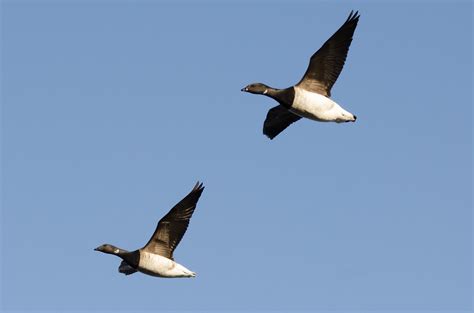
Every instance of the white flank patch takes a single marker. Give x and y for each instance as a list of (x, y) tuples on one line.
[(157, 265), (318, 107)]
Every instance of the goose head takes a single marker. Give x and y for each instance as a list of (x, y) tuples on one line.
[(109, 249), (256, 88)]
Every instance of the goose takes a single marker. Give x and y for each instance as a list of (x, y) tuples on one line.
[(156, 257), (310, 98)]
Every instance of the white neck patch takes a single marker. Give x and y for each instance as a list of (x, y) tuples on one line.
[(265, 92), (116, 251)]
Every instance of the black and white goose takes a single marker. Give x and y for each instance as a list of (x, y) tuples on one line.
[(310, 97), (156, 257)]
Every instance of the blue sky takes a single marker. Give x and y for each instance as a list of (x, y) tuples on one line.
[(111, 111)]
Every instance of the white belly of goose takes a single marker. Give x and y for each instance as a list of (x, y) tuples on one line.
[(157, 265), (318, 107)]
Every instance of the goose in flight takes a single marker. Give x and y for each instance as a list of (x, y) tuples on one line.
[(156, 257), (310, 98)]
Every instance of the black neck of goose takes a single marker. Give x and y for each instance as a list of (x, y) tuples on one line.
[(132, 258), (284, 96), (271, 92), (121, 253)]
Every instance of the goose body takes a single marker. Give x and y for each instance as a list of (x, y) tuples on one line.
[(310, 98), (317, 107), (156, 257), (157, 265)]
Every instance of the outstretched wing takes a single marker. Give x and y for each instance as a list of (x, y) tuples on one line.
[(172, 226), (327, 63), (278, 118)]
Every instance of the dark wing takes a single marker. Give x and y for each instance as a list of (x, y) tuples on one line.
[(126, 269), (278, 118), (326, 64), (173, 225)]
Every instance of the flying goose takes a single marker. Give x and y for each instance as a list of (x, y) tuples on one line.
[(156, 257), (310, 97)]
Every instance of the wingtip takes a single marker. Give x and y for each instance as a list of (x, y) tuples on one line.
[(353, 16), (268, 136), (199, 186)]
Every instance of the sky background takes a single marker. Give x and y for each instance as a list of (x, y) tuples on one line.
[(111, 111)]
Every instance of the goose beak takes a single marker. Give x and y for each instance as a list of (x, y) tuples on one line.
[(244, 89), (96, 249)]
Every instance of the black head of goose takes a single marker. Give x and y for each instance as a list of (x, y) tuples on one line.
[(156, 257), (310, 97)]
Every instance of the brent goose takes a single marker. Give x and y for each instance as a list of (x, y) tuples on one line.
[(156, 257), (310, 97)]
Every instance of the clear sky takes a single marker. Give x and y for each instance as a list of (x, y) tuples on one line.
[(111, 111)]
